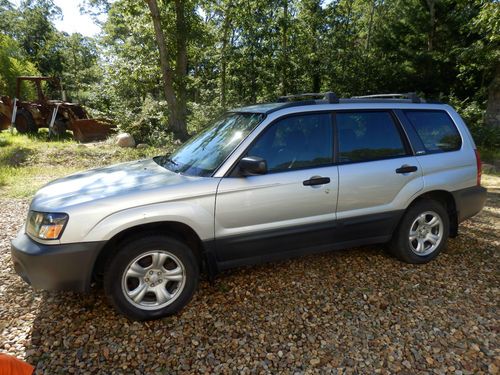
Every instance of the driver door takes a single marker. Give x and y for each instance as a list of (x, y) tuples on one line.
[(291, 208)]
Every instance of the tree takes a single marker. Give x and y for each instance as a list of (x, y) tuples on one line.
[(176, 103), (37, 35), (488, 22), (206, 55), (80, 58), (14, 63)]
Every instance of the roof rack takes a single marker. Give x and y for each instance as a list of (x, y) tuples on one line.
[(409, 95), (328, 97)]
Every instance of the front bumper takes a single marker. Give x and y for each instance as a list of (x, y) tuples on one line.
[(469, 201), (55, 267)]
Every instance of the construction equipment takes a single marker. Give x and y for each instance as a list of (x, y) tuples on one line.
[(57, 115)]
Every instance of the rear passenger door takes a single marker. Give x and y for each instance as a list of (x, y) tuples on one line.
[(377, 174)]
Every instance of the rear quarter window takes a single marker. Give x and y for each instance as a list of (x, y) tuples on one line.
[(436, 130)]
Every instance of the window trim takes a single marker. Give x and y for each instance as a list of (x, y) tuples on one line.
[(399, 128), (424, 150), (232, 172)]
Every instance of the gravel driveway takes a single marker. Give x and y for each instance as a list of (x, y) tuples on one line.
[(355, 311)]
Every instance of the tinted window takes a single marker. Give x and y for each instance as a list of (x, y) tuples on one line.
[(296, 142), (367, 136), (436, 130)]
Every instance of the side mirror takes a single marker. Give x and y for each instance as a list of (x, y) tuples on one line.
[(252, 166)]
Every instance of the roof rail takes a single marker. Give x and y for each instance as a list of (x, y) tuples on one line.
[(409, 95), (329, 97)]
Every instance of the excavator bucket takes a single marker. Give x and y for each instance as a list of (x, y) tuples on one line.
[(88, 130), (5, 113)]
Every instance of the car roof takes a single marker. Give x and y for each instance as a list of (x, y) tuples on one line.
[(329, 98)]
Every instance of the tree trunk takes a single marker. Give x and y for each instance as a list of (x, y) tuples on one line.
[(284, 52), (225, 42), (181, 64), (177, 119), (492, 115), (432, 27), (370, 26), (316, 63)]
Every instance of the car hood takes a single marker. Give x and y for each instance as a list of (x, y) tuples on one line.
[(113, 182)]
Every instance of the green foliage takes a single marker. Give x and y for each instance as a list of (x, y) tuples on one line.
[(80, 71), (149, 125), (200, 116), (486, 137), (246, 51), (12, 64), (29, 39)]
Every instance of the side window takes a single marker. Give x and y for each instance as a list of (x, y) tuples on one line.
[(365, 136), (296, 142), (436, 130)]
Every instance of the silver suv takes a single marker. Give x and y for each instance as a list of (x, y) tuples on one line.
[(265, 182)]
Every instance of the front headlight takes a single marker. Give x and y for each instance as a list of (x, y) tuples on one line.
[(46, 226)]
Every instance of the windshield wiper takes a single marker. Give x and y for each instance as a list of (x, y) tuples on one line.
[(163, 160), (167, 159)]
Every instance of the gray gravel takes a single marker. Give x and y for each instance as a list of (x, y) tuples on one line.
[(357, 311)]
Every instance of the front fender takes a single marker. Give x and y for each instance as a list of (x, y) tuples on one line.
[(199, 216)]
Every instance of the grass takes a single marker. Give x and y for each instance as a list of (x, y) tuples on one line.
[(29, 162)]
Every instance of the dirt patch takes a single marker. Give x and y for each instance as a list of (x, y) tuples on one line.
[(15, 157)]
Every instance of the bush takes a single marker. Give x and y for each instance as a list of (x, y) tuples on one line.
[(486, 137), (200, 116), (150, 125)]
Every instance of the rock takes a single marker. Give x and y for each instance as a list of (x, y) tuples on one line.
[(125, 140), (315, 361), (492, 368), (142, 146)]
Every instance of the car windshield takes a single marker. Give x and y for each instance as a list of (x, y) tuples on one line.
[(203, 154)]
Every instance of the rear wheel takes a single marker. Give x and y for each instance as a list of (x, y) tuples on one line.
[(24, 122), (151, 277), (422, 233)]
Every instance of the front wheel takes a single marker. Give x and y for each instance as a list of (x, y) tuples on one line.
[(151, 277), (422, 233)]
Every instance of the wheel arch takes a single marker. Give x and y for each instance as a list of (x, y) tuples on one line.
[(447, 200), (177, 230)]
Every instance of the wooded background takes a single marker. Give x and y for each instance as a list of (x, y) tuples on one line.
[(163, 68)]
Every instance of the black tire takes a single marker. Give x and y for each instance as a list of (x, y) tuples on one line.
[(113, 281), (403, 248), (24, 122)]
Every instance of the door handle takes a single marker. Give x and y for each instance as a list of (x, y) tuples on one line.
[(316, 180), (406, 169)]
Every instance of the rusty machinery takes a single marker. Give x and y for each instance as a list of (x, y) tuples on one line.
[(57, 115)]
